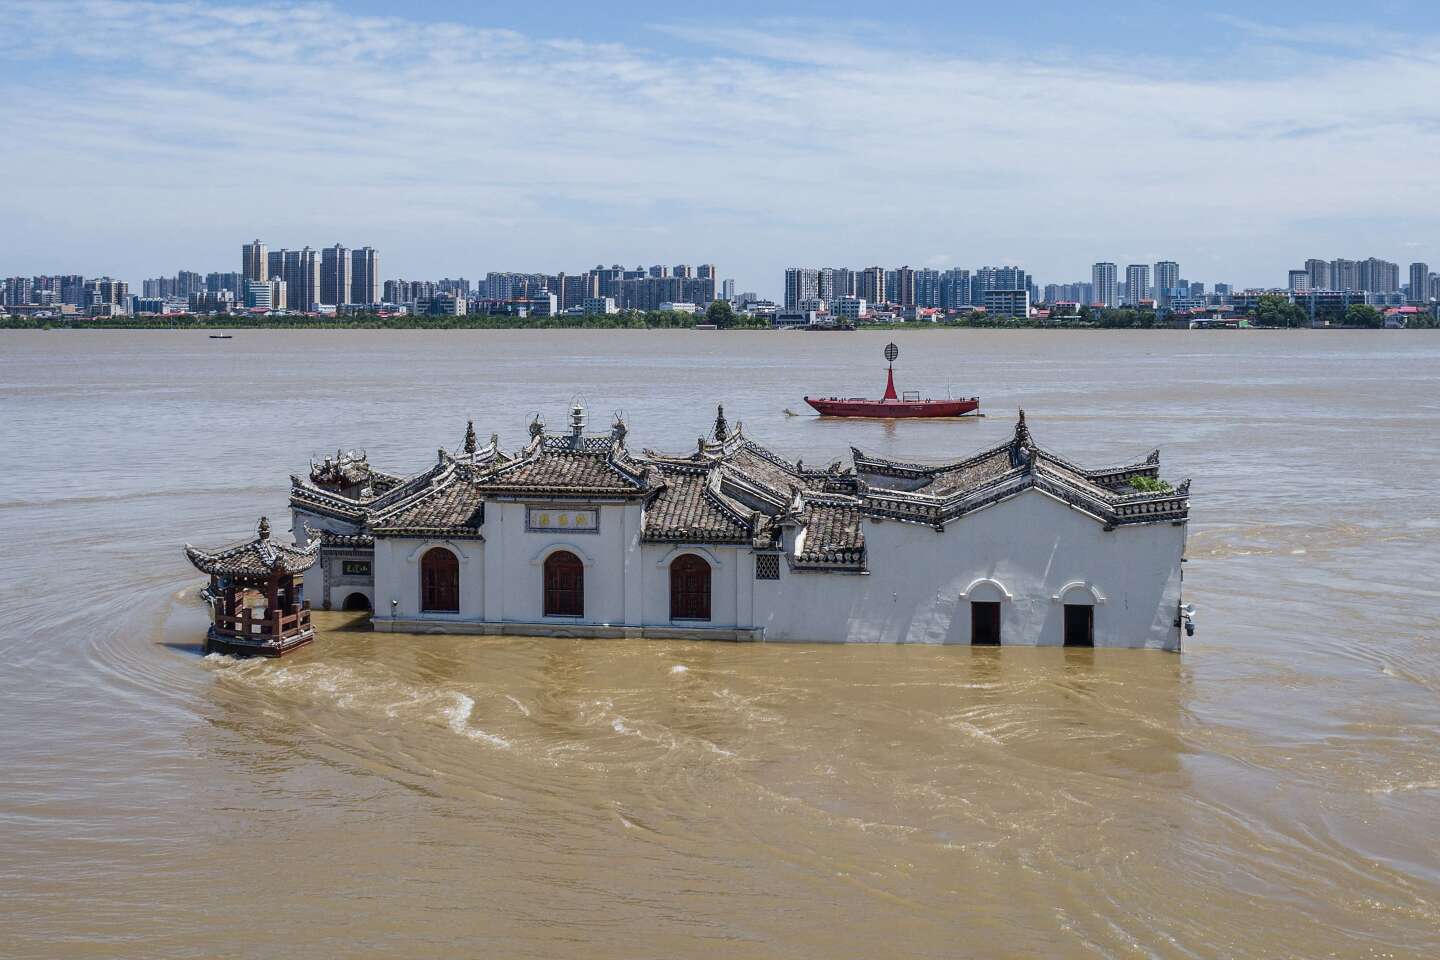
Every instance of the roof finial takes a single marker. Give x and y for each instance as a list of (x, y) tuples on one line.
[(577, 420), (1022, 432), (470, 442), (537, 426), (264, 528), (722, 429)]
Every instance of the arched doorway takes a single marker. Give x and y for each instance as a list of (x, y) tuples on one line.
[(356, 602), (439, 581), (689, 588), (564, 585)]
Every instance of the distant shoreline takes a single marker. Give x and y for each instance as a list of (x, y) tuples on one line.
[(492, 322)]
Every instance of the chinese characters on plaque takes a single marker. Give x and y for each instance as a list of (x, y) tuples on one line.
[(575, 521)]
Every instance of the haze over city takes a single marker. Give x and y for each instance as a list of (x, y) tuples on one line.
[(1236, 141)]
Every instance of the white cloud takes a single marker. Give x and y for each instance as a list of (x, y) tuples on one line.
[(142, 137)]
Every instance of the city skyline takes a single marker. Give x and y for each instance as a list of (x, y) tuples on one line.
[(1002, 160)]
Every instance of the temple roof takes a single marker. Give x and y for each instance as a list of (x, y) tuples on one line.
[(454, 508), (259, 557), (832, 536), (356, 505), (691, 507), (571, 464), (731, 489), (936, 493)]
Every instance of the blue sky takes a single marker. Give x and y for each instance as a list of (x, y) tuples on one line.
[(145, 137)]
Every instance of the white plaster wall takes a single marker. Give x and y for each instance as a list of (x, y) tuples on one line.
[(516, 558), (1032, 544), (731, 570), (397, 577), (1023, 552)]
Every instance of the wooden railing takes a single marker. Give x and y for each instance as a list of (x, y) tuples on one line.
[(270, 627)]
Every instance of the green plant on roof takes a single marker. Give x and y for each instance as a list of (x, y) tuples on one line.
[(1150, 485)]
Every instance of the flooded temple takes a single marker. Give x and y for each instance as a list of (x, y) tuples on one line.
[(577, 535)]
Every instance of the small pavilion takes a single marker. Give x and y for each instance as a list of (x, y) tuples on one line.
[(255, 595)]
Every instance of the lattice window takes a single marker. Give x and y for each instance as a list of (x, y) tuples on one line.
[(767, 566)]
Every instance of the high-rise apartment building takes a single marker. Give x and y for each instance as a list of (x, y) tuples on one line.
[(254, 263), (727, 288), (841, 282), (1167, 282), (1379, 276), (1103, 278), (364, 276), (905, 286), (927, 288), (335, 276), (827, 284), (997, 278), (1419, 282), (1299, 281), (17, 291), (1344, 275), (870, 285), (955, 289), (1319, 271), (801, 283), (302, 280), (104, 296), (1137, 284)]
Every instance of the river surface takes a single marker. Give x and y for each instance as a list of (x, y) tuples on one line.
[(1274, 791)]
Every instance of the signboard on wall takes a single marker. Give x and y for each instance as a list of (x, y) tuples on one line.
[(567, 519)]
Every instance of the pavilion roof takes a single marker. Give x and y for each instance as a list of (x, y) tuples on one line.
[(260, 557)]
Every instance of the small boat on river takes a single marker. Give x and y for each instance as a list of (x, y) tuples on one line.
[(894, 405)]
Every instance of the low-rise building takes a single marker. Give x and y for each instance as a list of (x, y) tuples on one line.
[(1007, 303), (849, 308)]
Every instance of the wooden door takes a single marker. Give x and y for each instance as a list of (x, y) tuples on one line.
[(564, 585), (689, 588), (439, 581)]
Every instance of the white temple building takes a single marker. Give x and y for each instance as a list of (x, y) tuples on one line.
[(575, 535)]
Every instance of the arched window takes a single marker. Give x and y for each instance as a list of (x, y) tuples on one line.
[(564, 585), (439, 581), (689, 588)]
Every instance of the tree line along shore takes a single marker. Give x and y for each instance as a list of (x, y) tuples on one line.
[(1274, 311)]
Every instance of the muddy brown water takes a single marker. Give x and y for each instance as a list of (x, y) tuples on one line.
[(1272, 792)]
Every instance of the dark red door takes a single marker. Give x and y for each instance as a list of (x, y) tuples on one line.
[(564, 585), (439, 582), (689, 588)]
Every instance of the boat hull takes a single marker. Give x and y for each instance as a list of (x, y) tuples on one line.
[(893, 409)]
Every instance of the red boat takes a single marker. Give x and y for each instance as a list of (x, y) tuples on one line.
[(893, 405)]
